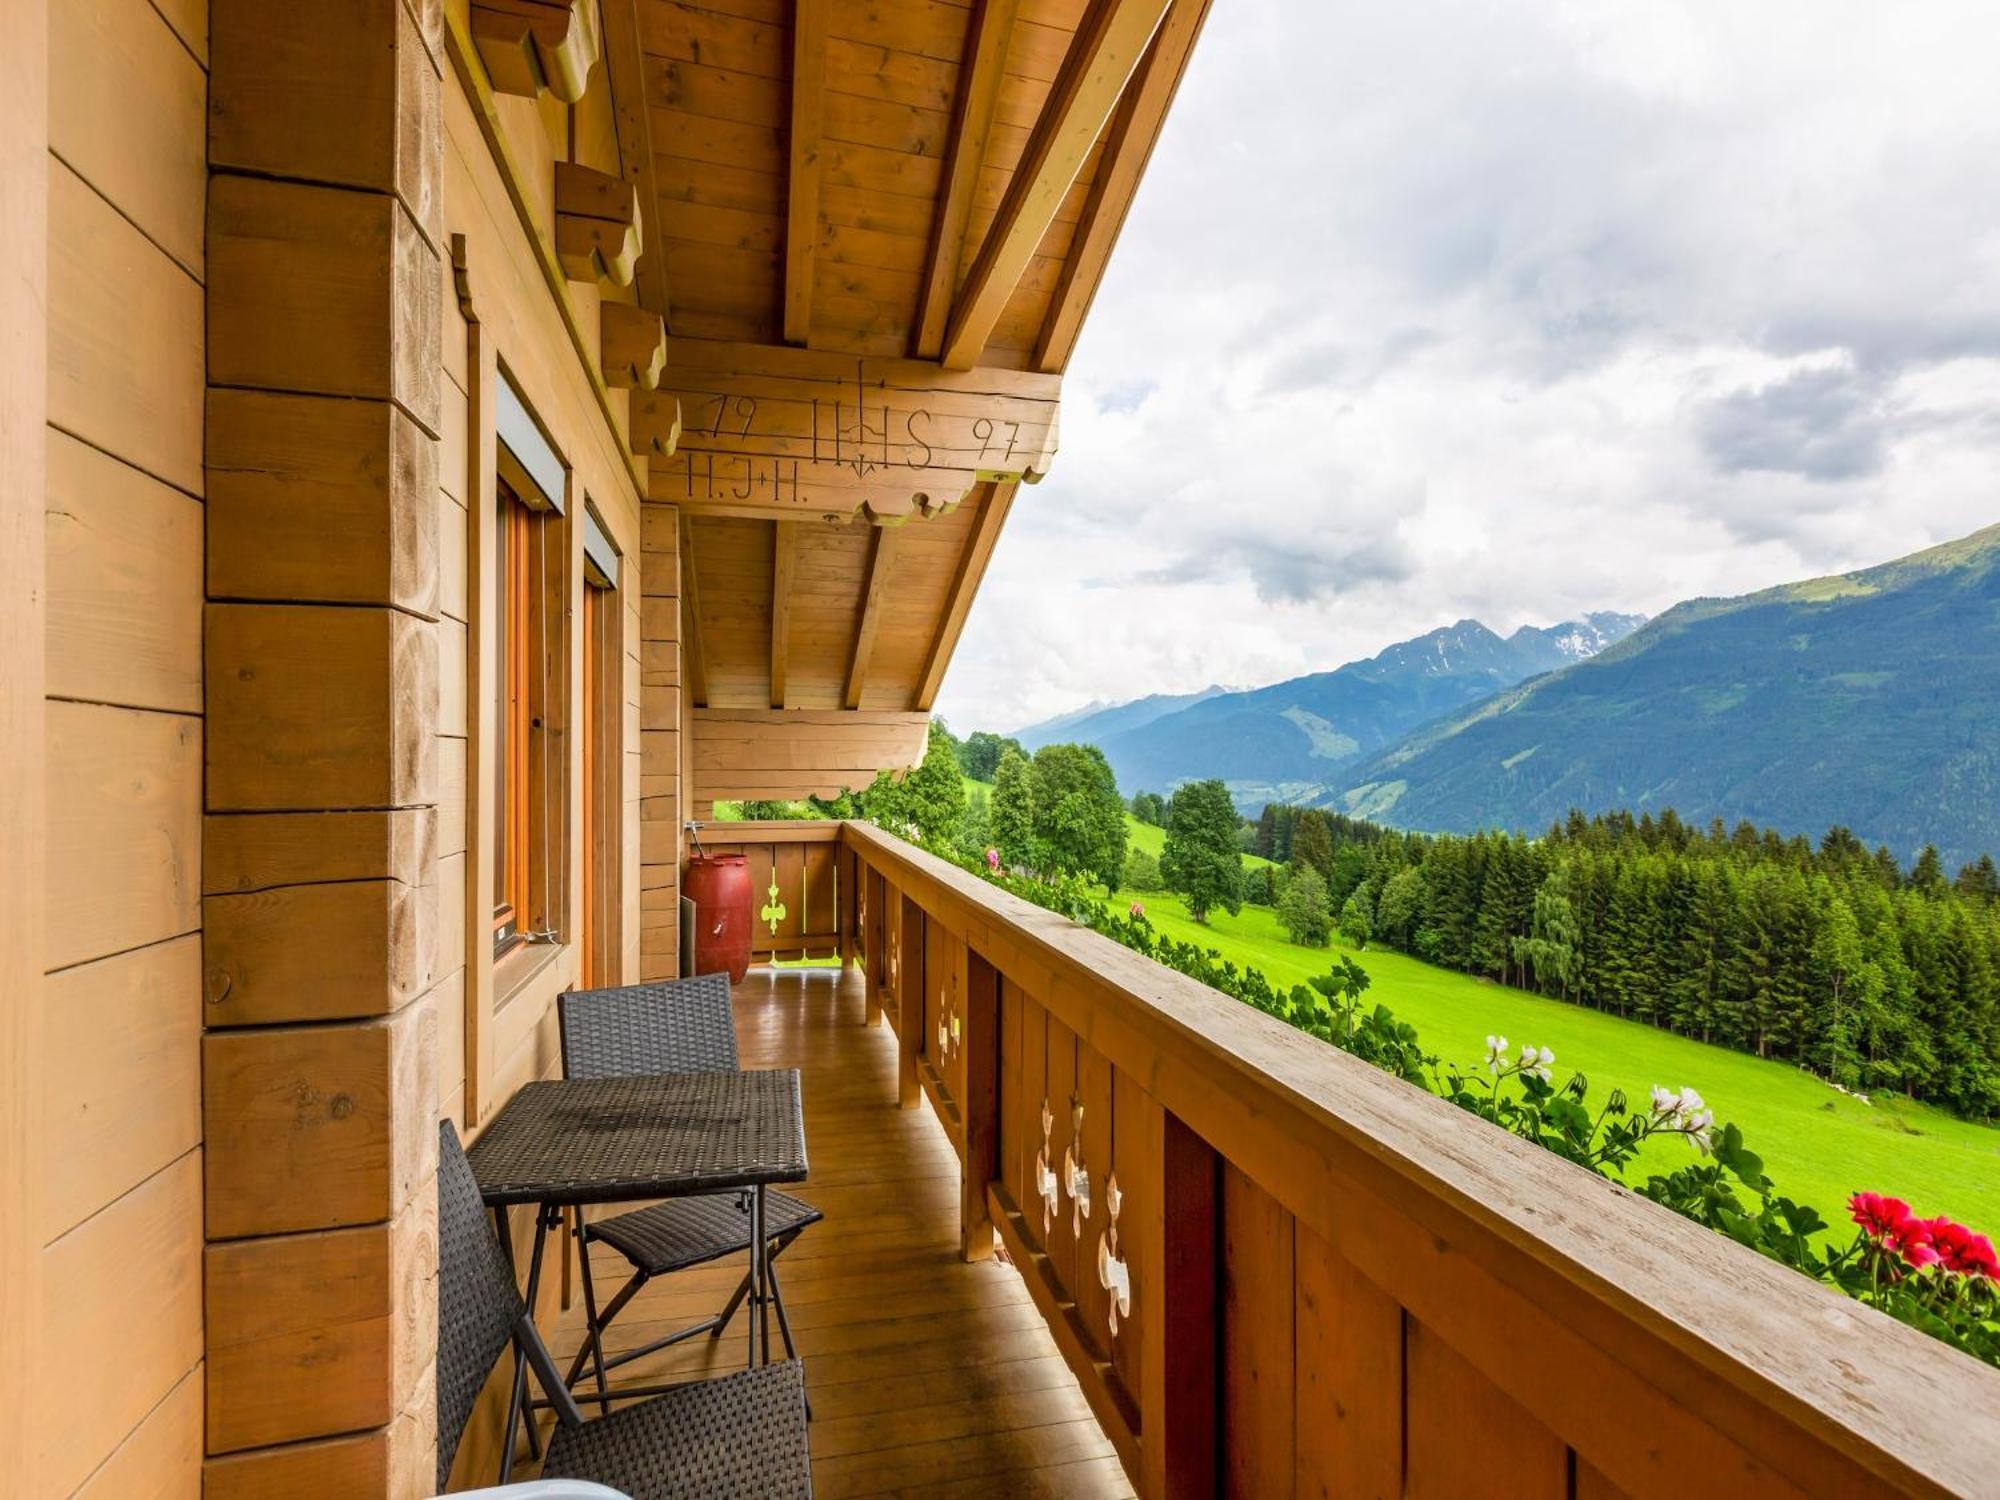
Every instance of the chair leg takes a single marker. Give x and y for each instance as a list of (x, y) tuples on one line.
[(592, 1336), (779, 1246), (593, 1330)]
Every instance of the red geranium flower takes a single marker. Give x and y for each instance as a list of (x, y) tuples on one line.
[(1912, 1239), (1882, 1218), (1963, 1251)]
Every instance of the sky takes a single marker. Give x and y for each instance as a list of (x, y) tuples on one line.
[(1514, 311)]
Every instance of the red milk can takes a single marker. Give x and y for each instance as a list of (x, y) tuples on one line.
[(719, 886)]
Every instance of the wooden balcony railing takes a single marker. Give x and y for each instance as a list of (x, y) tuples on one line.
[(795, 888), (1339, 1285)]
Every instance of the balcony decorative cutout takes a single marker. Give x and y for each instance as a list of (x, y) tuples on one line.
[(531, 45), (775, 911), (632, 347), (598, 232), (1113, 1273), (1076, 1177), (779, 433), (1046, 1185)]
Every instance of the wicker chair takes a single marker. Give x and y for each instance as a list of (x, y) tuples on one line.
[(742, 1437), (682, 1026)]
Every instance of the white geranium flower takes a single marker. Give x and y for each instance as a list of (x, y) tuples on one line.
[(1496, 1053), (1535, 1060), (1690, 1102), (1665, 1100)]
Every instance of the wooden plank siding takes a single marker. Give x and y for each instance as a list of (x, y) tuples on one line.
[(1343, 1287), (115, 1339)]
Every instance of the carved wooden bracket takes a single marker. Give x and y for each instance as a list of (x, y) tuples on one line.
[(655, 428), (598, 233), (531, 45), (632, 345), (1113, 1273)]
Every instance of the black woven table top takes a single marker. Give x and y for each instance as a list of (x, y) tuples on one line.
[(606, 1140)]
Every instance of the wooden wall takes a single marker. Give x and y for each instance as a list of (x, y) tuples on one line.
[(116, 1389)]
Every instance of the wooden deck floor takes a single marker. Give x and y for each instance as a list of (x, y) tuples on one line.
[(928, 1376)]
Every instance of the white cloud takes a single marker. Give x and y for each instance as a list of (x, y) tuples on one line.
[(1514, 311)]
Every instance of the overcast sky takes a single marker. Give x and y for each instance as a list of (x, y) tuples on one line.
[(1514, 310)]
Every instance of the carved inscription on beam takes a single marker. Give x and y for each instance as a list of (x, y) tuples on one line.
[(769, 431)]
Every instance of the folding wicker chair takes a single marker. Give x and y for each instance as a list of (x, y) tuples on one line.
[(742, 1437), (681, 1026)]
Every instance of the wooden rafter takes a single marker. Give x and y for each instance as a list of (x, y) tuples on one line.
[(998, 500), (623, 66), (1102, 56), (881, 562), (784, 563), (809, 28), (697, 663), (1133, 131), (990, 31)]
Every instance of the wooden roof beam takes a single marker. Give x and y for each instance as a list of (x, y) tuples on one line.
[(1133, 131), (697, 662), (809, 28), (625, 68), (965, 583), (874, 594), (990, 31), (1106, 49), (784, 564)]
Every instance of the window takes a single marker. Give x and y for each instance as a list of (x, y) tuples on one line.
[(603, 752), (530, 683)]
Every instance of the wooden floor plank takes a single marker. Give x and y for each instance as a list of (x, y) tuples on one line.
[(930, 1377)]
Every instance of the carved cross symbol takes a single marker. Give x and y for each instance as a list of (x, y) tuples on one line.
[(1076, 1177), (774, 912)]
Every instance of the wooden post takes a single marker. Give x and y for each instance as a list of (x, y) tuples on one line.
[(980, 1108), (909, 1003), (326, 270), (845, 867), (1178, 1389), (877, 939)]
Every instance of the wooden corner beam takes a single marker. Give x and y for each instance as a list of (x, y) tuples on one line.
[(697, 663), (809, 30), (1133, 131), (881, 562), (990, 31), (1102, 56), (784, 561), (993, 508)]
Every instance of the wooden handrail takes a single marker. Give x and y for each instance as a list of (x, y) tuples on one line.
[(1658, 1354)]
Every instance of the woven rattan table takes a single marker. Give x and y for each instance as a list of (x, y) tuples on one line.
[(568, 1142)]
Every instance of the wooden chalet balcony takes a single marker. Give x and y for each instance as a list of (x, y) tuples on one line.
[(1338, 1284)]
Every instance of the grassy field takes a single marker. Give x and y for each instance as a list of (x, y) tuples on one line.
[(1818, 1145)]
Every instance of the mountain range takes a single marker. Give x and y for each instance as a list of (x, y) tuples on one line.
[(1092, 722), (1870, 699), (1290, 740)]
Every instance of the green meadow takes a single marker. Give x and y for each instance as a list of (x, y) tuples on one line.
[(1818, 1144)]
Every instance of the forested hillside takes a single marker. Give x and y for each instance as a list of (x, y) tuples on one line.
[(1869, 699), (1827, 955)]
